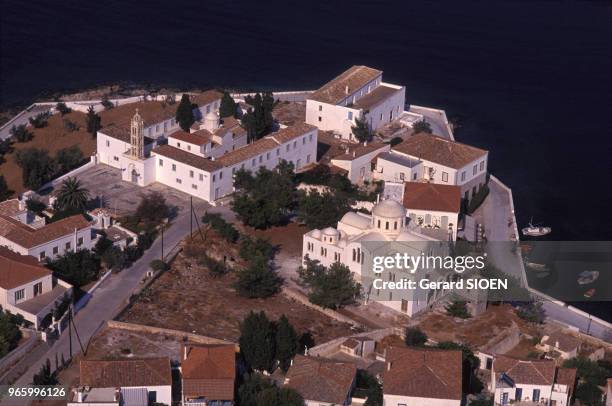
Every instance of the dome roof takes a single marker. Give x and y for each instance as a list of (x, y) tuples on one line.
[(330, 231), (315, 233), (389, 208), (356, 220), (373, 236)]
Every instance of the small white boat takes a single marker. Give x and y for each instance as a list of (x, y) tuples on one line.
[(536, 231), (586, 277)]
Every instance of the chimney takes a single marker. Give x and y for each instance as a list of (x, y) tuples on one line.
[(354, 154), (348, 151), (79, 395), (389, 366), (346, 89)]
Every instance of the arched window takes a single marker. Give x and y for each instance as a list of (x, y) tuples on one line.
[(386, 225), (378, 223), (395, 225)]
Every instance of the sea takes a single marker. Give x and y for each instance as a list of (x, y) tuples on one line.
[(529, 80)]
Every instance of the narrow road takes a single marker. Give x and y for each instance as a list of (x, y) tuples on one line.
[(113, 293)]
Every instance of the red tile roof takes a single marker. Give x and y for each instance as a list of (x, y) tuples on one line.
[(358, 150), (440, 150), (199, 137), (10, 208), (354, 78), (423, 373), (17, 270), (29, 237), (293, 131), (187, 158), (431, 196), (375, 97), (536, 372), (567, 376), (321, 380), (126, 373), (209, 371)]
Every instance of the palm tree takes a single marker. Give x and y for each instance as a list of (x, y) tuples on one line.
[(72, 195)]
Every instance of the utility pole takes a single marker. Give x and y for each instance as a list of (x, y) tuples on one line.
[(191, 217)]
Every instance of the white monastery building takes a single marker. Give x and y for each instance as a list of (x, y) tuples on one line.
[(430, 158), (357, 93), (24, 233), (354, 240), (27, 288), (202, 162)]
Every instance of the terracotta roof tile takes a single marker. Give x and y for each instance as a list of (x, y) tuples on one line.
[(359, 150), (17, 270), (247, 152), (321, 380), (355, 77), (567, 376), (29, 237), (431, 196), (293, 131), (375, 97), (187, 158), (10, 208), (439, 150), (126, 373), (199, 137), (207, 97), (423, 373), (536, 372), (209, 371)]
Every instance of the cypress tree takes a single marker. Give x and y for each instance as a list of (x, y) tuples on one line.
[(184, 113), (93, 121), (228, 107), (257, 343), (286, 343)]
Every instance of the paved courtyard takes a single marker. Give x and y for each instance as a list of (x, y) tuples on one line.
[(122, 197)]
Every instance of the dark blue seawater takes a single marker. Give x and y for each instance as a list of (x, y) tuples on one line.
[(529, 80)]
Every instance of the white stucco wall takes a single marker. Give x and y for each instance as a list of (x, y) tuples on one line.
[(359, 168), (390, 109), (390, 171)]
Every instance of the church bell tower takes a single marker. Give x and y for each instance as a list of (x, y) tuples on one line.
[(137, 137)]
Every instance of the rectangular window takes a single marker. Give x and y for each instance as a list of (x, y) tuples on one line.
[(157, 128), (474, 169), (519, 394), (267, 156), (444, 177), (260, 158), (191, 174), (42, 255), (201, 177), (350, 116), (55, 250), (68, 245), (220, 175), (19, 295), (178, 144), (37, 288), (304, 141), (214, 177), (482, 166), (253, 162), (80, 241), (536, 395), (308, 158), (320, 108), (116, 158), (179, 181), (188, 147), (320, 119), (309, 137), (294, 144), (161, 162), (165, 126), (194, 186), (174, 167), (277, 151), (107, 143), (462, 176), (288, 146)]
